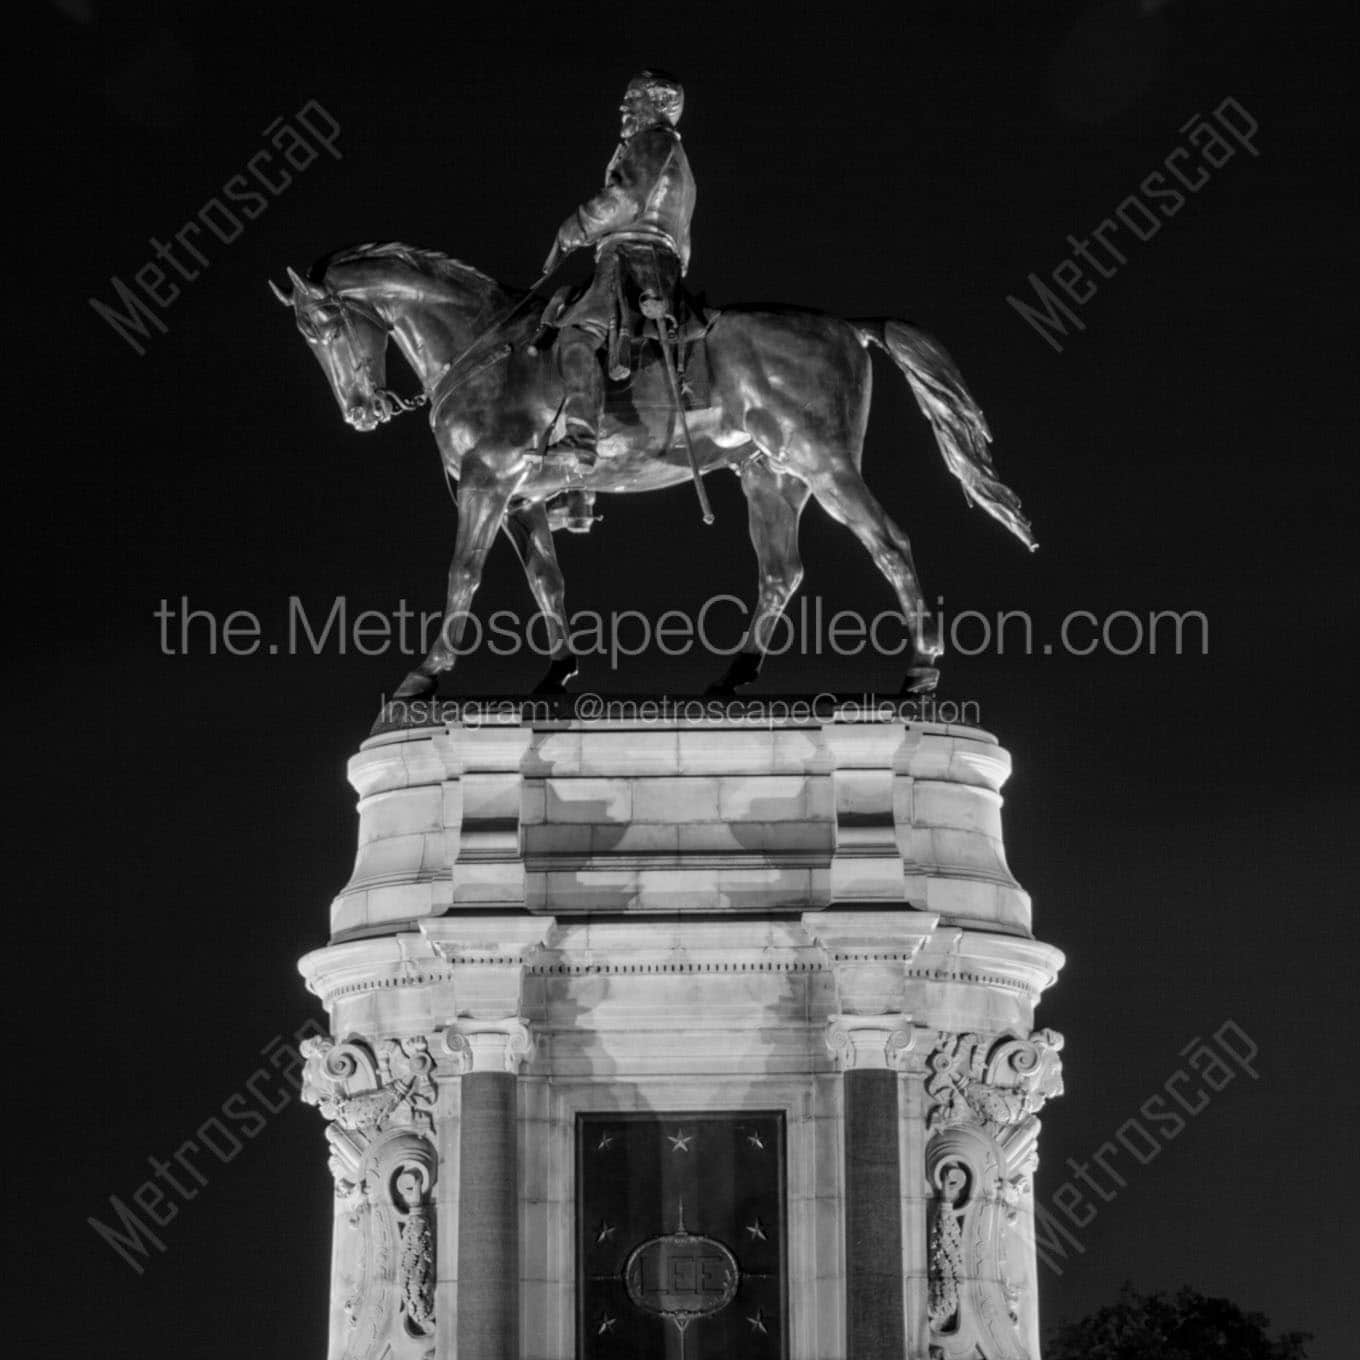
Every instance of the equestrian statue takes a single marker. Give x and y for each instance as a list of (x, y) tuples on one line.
[(632, 385)]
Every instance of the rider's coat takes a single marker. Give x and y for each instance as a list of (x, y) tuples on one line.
[(648, 196)]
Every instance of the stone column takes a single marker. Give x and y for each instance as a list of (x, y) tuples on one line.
[(911, 1107), (488, 1238), (865, 1047), (869, 953)]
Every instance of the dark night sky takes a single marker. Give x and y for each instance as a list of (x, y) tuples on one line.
[(1186, 824)]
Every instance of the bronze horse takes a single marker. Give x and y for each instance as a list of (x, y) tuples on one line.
[(788, 411)]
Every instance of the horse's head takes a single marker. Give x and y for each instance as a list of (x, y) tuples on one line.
[(349, 340)]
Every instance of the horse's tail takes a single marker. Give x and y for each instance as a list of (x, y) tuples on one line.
[(960, 427)]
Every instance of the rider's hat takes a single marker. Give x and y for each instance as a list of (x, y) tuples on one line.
[(664, 93)]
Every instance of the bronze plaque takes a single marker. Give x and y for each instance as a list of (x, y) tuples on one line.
[(680, 1236)]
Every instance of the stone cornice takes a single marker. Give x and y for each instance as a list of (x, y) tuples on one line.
[(874, 949), (432, 955), (955, 953), (467, 938), (405, 959)]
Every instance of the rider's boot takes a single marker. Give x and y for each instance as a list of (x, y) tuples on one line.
[(584, 403)]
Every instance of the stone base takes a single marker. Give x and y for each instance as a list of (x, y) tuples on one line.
[(568, 817), (691, 932)]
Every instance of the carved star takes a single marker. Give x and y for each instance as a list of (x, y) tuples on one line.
[(757, 1231), (757, 1321), (607, 1324), (605, 1231), (606, 1142), (755, 1141), (680, 1141)]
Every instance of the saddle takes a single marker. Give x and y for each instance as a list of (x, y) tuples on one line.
[(632, 345), (631, 335)]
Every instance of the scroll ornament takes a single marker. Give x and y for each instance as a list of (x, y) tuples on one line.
[(977, 1079), (379, 1103), (983, 1094)]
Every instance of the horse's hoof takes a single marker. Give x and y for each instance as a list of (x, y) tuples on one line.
[(417, 685), (744, 670), (554, 681), (921, 680)]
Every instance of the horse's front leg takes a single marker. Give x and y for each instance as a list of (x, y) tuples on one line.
[(483, 494)]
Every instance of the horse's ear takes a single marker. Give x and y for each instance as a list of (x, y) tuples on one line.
[(278, 292), (301, 288)]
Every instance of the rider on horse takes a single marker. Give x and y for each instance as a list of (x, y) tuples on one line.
[(789, 398), (639, 226)]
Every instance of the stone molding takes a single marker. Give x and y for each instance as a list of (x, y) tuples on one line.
[(507, 937), (402, 958), (862, 963), (869, 954), (958, 954), (628, 967), (481, 953), (488, 955)]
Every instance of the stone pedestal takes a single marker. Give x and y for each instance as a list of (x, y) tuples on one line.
[(653, 1040)]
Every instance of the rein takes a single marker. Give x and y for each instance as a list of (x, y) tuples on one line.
[(347, 305), (450, 379)]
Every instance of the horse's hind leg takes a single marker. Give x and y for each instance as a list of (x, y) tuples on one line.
[(774, 502), (841, 492), (528, 530)]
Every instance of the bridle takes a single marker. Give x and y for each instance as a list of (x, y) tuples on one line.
[(348, 308), (456, 372)]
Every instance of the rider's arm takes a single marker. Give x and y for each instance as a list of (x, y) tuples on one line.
[(624, 196)]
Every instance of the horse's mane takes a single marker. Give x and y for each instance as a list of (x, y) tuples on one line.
[(432, 262)]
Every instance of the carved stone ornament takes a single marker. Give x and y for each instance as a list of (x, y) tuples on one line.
[(976, 1079), (875, 1041), (383, 1157), (488, 1045), (983, 1094)]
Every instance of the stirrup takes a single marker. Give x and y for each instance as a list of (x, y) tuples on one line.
[(580, 434), (573, 511), (583, 446)]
